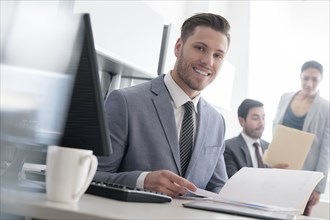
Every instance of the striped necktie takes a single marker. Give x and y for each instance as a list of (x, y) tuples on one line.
[(187, 137)]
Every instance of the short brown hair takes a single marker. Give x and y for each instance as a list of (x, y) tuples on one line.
[(246, 105), (214, 21)]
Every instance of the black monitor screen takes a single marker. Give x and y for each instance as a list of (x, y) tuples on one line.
[(86, 126)]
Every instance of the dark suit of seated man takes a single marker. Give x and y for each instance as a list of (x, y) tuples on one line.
[(247, 148)]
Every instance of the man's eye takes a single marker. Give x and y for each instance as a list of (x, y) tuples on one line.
[(218, 56), (200, 48)]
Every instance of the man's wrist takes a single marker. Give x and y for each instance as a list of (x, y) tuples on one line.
[(140, 180)]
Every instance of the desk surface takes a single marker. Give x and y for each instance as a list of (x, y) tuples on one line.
[(35, 205)]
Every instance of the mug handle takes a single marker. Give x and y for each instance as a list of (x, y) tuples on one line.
[(91, 173)]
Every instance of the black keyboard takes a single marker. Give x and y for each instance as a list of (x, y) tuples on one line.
[(126, 193)]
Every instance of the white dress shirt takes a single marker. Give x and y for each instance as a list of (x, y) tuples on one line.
[(249, 142)]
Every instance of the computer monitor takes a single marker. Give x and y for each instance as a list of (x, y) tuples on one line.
[(84, 122), (86, 125)]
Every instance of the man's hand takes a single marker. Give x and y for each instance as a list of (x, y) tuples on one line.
[(167, 182), (314, 198), (281, 166)]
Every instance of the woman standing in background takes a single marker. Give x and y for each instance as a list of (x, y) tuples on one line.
[(306, 110)]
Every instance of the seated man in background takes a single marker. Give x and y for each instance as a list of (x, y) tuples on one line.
[(247, 148), (146, 121)]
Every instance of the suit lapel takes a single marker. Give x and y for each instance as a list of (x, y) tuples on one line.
[(283, 108), (163, 106), (203, 123), (244, 148), (311, 114)]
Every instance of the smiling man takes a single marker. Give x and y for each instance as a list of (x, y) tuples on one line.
[(165, 136)]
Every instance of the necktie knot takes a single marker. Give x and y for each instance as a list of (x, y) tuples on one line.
[(189, 106), (256, 144)]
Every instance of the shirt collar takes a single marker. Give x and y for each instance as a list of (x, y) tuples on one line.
[(179, 97), (249, 141)]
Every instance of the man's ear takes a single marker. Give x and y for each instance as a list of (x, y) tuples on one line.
[(241, 121), (178, 47)]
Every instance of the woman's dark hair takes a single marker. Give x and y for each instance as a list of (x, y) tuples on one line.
[(312, 64), (216, 22)]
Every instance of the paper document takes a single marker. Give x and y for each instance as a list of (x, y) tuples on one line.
[(204, 194), (289, 146), (266, 193), (239, 210), (267, 189), (282, 189)]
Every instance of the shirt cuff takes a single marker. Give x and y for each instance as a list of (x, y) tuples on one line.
[(140, 180)]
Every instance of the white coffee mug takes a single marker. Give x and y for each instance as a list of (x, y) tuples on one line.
[(69, 172)]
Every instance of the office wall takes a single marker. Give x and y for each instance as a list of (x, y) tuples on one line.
[(281, 44), (127, 31)]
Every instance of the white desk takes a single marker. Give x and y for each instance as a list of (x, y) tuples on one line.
[(35, 205)]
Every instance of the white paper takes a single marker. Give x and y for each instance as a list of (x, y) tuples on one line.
[(289, 189), (204, 193), (267, 189)]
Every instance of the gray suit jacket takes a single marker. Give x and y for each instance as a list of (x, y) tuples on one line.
[(144, 138), (316, 122), (237, 154)]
